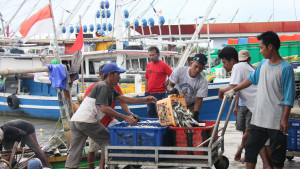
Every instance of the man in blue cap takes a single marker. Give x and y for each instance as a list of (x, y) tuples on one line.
[(85, 122)]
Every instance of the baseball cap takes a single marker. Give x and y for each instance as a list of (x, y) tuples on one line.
[(112, 67), (244, 55), (35, 163), (201, 58), (1, 134)]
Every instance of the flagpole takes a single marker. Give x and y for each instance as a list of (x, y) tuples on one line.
[(82, 68), (55, 37)]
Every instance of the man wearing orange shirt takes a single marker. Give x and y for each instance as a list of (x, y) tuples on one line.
[(156, 73)]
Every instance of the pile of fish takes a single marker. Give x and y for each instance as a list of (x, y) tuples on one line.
[(183, 118)]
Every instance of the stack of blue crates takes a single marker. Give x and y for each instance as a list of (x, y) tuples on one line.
[(293, 139), (122, 134)]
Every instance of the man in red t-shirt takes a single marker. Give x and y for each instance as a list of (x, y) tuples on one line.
[(106, 120), (156, 73)]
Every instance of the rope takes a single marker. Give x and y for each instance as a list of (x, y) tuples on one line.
[(56, 124)]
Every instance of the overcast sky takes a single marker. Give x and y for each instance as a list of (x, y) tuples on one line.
[(224, 10)]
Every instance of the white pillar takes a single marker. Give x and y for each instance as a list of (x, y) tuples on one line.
[(119, 24)]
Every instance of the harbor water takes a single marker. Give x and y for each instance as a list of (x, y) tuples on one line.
[(47, 128)]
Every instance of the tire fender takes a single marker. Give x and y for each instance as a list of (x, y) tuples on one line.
[(13, 101)]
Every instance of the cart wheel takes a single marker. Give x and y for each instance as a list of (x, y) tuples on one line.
[(289, 157), (222, 163)]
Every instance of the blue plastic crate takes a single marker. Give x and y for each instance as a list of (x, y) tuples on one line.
[(293, 139), (122, 134)]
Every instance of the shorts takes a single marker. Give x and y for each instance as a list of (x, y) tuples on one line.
[(258, 137), (93, 146), (243, 118)]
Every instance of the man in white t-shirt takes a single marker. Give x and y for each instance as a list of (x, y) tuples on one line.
[(239, 72), (189, 81), (85, 122)]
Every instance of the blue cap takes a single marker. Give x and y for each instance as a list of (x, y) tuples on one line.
[(112, 67), (35, 163)]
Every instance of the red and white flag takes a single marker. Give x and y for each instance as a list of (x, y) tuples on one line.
[(78, 44), (38, 23)]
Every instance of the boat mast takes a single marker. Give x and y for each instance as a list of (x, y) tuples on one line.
[(55, 37), (186, 53), (121, 60)]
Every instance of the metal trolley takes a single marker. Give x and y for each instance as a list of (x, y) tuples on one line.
[(163, 156)]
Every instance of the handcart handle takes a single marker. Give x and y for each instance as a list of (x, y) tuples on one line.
[(228, 116), (215, 131)]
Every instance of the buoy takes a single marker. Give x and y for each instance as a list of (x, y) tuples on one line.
[(102, 3), (144, 22), (84, 28), (91, 27), (106, 4), (127, 23), (151, 22), (126, 13), (64, 29), (102, 14), (98, 14), (107, 13), (41, 131), (136, 23), (77, 28), (98, 26), (104, 26), (109, 27), (71, 29), (161, 20)]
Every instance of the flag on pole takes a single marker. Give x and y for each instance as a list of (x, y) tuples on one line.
[(39, 23), (78, 44)]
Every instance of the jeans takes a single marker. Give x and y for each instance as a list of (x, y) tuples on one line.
[(151, 107)]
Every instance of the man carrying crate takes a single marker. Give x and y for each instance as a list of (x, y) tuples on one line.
[(85, 122), (191, 83), (274, 100)]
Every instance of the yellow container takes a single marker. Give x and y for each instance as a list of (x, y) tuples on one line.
[(165, 109), (130, 88), (104, 45)]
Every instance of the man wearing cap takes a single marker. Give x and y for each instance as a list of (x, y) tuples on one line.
[(240, 71), (156, 73), (189, 81), (85, 122), (106, 120)]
